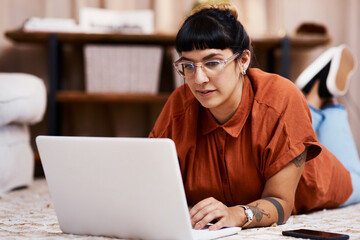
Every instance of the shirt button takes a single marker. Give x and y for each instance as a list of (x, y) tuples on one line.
[(221, 151)]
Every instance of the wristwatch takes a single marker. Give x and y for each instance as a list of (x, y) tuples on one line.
[(249, 215)]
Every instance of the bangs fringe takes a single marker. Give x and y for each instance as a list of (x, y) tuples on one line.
[(201, 34)]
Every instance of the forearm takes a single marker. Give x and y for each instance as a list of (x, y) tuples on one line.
[(274, 207), (278, 195), (268, 211)]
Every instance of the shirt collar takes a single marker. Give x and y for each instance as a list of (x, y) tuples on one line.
[(235, 124)]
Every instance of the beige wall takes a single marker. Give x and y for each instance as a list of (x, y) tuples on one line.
[(259, 17)]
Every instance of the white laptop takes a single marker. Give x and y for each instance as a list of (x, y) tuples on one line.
[(119, 187)]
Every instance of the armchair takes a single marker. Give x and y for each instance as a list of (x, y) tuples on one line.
[(22, 103)]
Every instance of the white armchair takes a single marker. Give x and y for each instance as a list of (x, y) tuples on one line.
[(22, 103)]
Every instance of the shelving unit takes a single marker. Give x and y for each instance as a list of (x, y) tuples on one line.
[(54, 42), (80, 96)]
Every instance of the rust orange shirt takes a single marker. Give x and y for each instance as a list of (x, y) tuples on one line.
[(231, 162)]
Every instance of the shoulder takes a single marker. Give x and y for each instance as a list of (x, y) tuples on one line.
[(275, 91), (181, 99), (180, 108)]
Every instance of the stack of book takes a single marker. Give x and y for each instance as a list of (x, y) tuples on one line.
[(122, 69)]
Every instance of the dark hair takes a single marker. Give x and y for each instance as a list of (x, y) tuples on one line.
[(212, 28)]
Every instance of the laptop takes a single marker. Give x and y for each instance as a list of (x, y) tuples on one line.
[(119, 187)]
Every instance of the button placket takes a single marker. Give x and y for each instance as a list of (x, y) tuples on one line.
[(221, 148)]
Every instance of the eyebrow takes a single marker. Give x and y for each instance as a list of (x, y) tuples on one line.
[(204, 58)]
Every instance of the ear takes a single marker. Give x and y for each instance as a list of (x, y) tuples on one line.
[(245, 59)]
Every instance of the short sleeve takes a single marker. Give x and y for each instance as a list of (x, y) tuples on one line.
[(289, 131)]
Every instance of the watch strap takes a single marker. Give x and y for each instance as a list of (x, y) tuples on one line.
[(249, 215)]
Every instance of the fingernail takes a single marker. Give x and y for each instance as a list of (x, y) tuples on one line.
[(197, 226)]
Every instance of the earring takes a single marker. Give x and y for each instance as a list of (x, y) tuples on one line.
[(242, 69), (243, 72)]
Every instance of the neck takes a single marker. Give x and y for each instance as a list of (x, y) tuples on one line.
[(223, 113)]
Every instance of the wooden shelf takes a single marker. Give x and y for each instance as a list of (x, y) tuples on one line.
[(309, 41), (84, 97), (303, 41), (82, 38)]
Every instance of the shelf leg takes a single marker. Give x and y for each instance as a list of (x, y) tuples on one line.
[(285, 59), (53, 109)]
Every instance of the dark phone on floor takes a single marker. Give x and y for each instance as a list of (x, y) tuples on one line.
[(312, 234)]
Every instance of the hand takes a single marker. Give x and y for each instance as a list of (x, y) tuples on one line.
[(211, 209)]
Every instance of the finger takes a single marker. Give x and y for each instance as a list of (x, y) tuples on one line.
[(218, 225), (216, 214), (202, 213), (200, 205)]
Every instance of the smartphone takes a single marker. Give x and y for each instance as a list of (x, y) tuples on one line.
[(313, 234)]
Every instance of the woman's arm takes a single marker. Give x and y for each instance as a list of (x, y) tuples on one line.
[(275, 205)]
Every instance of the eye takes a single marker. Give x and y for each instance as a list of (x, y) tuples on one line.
[(212, 64), (188, 66)]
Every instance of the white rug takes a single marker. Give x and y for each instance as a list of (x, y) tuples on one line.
[(29, 213)]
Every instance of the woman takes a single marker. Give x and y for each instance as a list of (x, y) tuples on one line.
[(243, 135)]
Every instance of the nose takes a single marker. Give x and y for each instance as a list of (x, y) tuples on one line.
[(200, 76)]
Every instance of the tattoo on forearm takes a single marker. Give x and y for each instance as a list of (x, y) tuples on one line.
[(279, 209), (299, 160), (258, 213)]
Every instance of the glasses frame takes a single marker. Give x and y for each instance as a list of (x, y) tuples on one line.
[(201, 64)]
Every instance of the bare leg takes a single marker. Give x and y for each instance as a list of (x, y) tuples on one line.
[(313, 98), (316, 103)]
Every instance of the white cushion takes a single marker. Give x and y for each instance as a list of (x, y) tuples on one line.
[(22, 98), (16, 157)]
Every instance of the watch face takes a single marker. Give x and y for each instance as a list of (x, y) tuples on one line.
[(252, 214), (249, 213)]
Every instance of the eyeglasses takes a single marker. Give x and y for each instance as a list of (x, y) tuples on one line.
[(212, 68)]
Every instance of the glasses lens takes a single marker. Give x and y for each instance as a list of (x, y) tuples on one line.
[(213, 67), (185, 69)]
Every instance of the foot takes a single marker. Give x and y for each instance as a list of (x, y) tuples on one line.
[(343, 65), (308, 77), (333, 69)]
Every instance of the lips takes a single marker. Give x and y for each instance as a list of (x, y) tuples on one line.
[(205, 92)]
